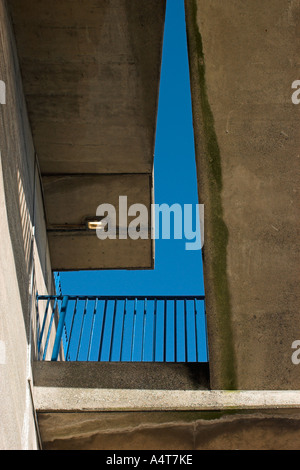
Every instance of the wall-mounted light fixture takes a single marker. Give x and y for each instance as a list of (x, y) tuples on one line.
[(88, 224), (95, 223)]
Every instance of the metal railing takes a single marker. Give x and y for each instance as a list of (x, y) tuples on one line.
[(106, 328)]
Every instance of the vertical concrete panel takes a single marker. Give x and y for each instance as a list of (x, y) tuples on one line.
[(18, 177), (244, 58)]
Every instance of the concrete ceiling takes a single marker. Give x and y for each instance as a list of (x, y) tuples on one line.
[(91, 78), (90, 73)]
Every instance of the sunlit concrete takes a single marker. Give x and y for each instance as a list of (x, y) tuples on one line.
[(247, 141), (95, 399), (25, 266)]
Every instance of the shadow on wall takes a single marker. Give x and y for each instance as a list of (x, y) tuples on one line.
[(20, 173)]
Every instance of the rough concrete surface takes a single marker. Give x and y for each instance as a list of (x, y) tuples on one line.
[(244, 57), (90, 73), (122, 375), (78, 399), (71, 199), (273, 430), (91, 79), (21, 208)]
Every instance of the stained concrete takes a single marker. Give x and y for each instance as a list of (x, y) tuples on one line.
[(71, 199), (236, 430), (91, 79), (122, 375), (21, 209), (60, 398), (244, 57), (247, 141)]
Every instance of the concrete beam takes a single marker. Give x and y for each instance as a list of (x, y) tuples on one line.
[(71, 399), (71, 199)]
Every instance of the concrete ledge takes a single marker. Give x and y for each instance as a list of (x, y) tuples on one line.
[(53, 399)]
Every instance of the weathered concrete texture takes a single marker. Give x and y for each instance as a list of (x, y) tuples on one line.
[(273, 430), (71, 199), (21, 208), (121, 375), (91, 79), (79, 399), (244, 57), (79, 252)]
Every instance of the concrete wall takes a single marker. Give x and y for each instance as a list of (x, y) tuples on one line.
[(21, 208), (157, 406), (188, 430), (244, 57), (243, 60)]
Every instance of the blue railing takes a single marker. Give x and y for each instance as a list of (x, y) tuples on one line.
[(106, 328)]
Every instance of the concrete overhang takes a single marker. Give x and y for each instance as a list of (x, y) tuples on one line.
[(91, 80), (115, 386), (156, 406)]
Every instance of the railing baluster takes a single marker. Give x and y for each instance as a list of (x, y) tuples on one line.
[(43, 327), (49, 328), (81, 327), (175, 330), (133, 330), (37, 323), (92, 329), (201, 331), (112, 330), (165, 332), (71, 329), (60, 327), (102, 330), (154, 328), (185, 332), (66, 337), (122, 332), (144, 329), (195, 324)]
